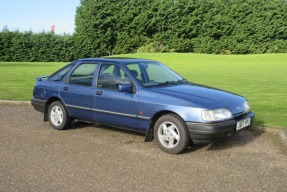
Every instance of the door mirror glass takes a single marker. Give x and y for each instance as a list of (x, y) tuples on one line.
[(125, 88)]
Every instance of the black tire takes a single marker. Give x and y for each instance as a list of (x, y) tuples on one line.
[(58, 116), (171, 134)]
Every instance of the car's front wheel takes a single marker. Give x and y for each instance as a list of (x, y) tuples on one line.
[(58, 116), (171, 134)]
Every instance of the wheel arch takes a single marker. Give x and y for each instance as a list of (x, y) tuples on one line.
[(50, 100), (150, 133)]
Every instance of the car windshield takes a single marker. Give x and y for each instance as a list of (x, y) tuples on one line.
[(151, 74)]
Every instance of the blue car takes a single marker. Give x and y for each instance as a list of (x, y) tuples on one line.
[(140, 95)]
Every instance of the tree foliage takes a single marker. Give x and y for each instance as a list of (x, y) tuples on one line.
[(217, 26), (106, 27)]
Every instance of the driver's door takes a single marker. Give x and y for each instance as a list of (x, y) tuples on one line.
[(111, 106)]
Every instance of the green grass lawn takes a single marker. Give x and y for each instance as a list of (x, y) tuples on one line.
[(17, 79), (260, 78)]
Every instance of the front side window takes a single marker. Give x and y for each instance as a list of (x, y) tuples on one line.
[(83, 74), (111, 76)]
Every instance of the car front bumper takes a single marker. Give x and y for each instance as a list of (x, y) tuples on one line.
[(204, 133), (39, 104)]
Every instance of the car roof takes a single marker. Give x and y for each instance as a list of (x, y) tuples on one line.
[(120, 60)]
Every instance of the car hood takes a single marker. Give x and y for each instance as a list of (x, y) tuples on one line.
[(206, 97)]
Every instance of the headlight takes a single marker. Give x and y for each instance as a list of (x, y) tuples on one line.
[(247, 107), (216, 115)]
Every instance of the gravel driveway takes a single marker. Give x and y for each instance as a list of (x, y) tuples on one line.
[(35, 157)]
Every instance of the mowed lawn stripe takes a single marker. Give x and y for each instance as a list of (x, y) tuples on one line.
[(17, 79)]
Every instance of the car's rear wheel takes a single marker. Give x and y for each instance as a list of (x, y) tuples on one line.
[(58, 116), (171, 134)]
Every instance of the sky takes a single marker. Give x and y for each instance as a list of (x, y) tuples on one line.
[(38, 15)]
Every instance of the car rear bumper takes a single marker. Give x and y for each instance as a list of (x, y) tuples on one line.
[(203, 133), (39, 104)]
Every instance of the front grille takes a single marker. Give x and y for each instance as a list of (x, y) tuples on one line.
[(240, 116)]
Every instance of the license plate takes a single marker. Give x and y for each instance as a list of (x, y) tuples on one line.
[(243, 124)]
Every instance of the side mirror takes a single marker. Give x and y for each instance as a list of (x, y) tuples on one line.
[(125, 88)]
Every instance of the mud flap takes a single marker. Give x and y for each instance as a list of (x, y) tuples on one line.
[(149, 135)]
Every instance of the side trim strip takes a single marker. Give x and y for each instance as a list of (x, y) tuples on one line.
[(109, 112), (78, 107), (114, 113)]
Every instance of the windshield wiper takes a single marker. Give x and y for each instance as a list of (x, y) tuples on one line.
[(182, 81), (167, 83), (172, 82)]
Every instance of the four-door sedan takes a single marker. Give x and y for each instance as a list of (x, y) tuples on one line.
[(140, 95)]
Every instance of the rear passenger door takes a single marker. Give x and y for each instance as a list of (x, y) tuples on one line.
[(77, 91), (111, 106)]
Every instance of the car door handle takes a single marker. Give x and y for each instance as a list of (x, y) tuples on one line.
[(99, 92), (66, 88)]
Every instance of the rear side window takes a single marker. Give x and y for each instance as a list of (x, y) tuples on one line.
[(58, 76), (83, 74)]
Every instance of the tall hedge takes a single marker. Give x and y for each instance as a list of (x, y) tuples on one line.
[(28, 46), (216, 26), (106, 27)]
